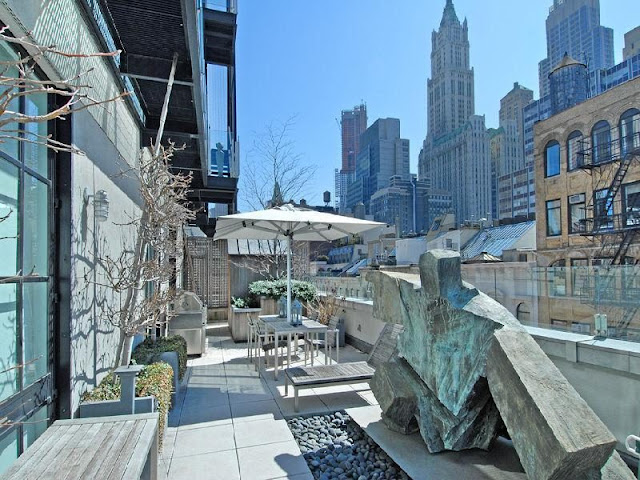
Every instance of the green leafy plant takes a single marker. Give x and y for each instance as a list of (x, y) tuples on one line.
[(238, 302), (303, 291), (155, 379), (149, 351)]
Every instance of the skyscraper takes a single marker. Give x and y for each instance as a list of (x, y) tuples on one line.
[(383, 154), (353, 123), (573, 27), (455, 154)]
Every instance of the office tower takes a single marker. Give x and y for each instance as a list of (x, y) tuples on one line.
[(573, 27), (631, 44), (511, 112), (383, 154), (353, 123), (455, 154)]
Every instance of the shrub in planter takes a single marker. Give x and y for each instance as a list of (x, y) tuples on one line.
[(149, 351), (303, 291), (155, 379)]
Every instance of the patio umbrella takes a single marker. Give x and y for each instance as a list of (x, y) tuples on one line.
[(288, 222)]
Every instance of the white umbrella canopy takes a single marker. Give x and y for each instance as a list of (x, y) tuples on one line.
[(287, 222)]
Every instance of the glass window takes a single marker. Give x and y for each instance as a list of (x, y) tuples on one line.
[(8, 340), (554, 226), (632, 204), (574, 150), (603, 210), (577, 211), (630, 130), (8, 450), (36, 227), (8, 218), (35, 155), (9, 145), (37, 425), (35, 308), (601, 141), (552, 159)]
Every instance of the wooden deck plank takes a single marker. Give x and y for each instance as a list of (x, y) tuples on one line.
[(81, 458), (104, 461), (129, 446), (77, 442), (137, 461), (39, 448), (34, 465)]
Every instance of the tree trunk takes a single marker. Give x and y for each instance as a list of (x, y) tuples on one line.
[(126, 351)]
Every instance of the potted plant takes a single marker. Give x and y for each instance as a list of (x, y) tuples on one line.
[(238, 317)]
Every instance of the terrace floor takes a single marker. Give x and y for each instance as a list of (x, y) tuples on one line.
[(229, 423)]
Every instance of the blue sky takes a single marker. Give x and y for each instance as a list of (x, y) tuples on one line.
[(314, 59)]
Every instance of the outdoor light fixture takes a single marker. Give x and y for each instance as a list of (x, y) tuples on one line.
[(282, 307), (296, 313), (100, 204)]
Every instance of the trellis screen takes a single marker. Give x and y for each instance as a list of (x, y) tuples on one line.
[(207, 270)]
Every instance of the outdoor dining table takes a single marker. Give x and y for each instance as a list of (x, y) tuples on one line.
[(280, 327), (122, 447)]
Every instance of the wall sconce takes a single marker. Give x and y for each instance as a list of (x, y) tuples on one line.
[(100, 204)]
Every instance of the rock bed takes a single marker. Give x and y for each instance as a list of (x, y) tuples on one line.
[(335, 447)]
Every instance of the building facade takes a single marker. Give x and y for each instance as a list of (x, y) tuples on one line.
[(383, 154), (56, 340), (455, 154), (573, 27), (631, 44), (587, 164)]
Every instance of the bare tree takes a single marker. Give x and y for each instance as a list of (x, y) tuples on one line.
[(275, 175), (141, 275), (275, 165), (18, 80)]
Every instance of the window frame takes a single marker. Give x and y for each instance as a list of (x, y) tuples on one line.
[(573, 136), (548, 146), (559, 208), (570, 206), (599, 128)]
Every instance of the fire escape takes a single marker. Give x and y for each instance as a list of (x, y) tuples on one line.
[(612, 218)]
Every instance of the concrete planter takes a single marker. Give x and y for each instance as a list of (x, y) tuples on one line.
[(238, 322)]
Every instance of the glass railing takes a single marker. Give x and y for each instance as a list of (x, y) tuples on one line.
[(556, 298), (223, 154), (356, 288), (230, 6)]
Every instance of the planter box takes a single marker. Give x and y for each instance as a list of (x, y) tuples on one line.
[(238, 323), (268, 306)]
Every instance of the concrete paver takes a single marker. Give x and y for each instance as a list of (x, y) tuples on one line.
[(228, 421)]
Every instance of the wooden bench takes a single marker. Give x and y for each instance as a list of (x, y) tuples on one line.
[(345, 373), (120, 447)]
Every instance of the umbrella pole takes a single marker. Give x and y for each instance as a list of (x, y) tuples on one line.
[(289, 279)]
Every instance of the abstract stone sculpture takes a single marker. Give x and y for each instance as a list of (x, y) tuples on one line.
[(466, 365)]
